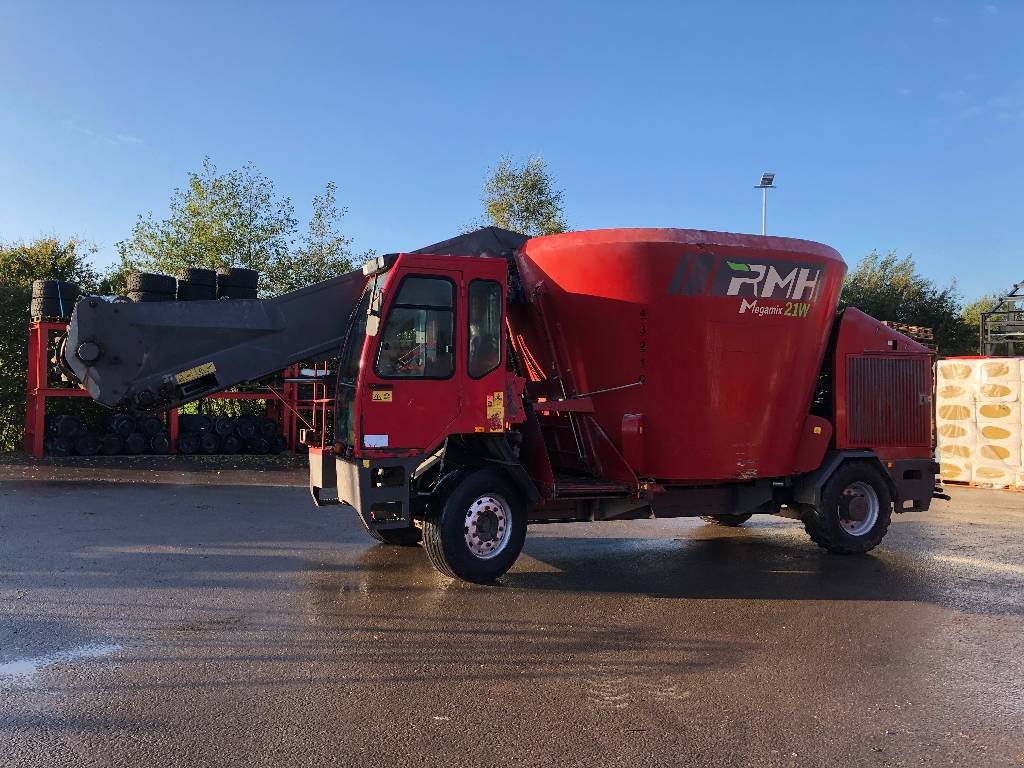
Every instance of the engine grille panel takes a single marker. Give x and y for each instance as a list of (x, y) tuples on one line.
[(889, 401)]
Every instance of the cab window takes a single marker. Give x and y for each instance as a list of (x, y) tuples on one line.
[(484, 327), (417, 340)]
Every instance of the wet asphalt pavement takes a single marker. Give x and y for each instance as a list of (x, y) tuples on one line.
[(177, 625)]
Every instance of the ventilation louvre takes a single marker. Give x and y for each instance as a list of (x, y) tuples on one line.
[(889, 401)]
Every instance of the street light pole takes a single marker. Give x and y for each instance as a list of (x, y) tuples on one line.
[(767, 180), (764, 208)]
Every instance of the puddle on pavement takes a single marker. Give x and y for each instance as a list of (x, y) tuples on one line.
[(23, 669)]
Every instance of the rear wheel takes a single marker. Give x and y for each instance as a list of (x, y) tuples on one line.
[(477, 531), (729, 521), (855, 510)]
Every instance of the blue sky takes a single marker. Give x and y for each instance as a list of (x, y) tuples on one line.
[(890, 125)]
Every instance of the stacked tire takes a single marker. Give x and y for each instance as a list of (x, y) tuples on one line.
[(53, 299), (135, 435), (237, 283), (66, 436), (202, 434), (195, 284), (151, 286)]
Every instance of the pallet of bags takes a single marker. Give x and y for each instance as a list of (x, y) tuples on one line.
[(998, 380), (997, 456), (955, 427), (956, 380)]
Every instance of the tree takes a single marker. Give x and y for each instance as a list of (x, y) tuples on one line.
[(890, 288), (49, 258), (218, 220), (325, 251), (523, 198)]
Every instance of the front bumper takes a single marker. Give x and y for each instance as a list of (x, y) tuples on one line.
[(914, 480), (378, 489)]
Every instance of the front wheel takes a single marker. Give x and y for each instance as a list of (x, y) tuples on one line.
[(477, 531), (855, 510)]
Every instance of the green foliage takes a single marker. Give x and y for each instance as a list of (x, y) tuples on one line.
[(890, 288), (324, 252), (523, 198), (48, 258), (218, 220), (236, 219)]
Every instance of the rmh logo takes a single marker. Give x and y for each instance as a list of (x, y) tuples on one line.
[(764, 281)]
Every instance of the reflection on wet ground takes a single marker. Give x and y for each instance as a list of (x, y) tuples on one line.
[(233, 626)]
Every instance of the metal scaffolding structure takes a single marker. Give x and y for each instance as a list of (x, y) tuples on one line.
[(1002, 327)]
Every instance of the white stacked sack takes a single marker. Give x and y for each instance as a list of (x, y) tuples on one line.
[(997, 457), (998, 380), (956, 430)]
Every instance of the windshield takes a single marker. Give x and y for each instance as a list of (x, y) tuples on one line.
[(348, 373)]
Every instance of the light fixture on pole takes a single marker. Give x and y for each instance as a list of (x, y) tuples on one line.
[(767, 180)]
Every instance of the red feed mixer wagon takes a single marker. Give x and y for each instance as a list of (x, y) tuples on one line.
[(494, 380)]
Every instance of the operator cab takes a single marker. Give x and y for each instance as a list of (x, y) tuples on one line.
[(425, 356)]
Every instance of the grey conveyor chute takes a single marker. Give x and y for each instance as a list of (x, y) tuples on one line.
[(157, 355)]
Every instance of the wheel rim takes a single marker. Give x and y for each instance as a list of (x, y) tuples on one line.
[(858, 508), (487, 527)]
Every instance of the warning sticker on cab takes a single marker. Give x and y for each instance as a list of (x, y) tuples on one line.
[(195, 373), (381, 396), (496, 412)]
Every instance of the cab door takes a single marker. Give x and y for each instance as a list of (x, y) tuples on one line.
[(484, 409), (412, 391)]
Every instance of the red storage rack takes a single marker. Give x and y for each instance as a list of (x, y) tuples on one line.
[(38, 387), (287, 407)]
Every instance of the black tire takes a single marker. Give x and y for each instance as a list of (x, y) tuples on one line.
[(223, 426), (60, 446), (195, 422), (135, 444), (150, 426), (191, 292), (238, 277), (87, 444), (445, 528), (160, 443), (122, 424), (188, 443), (141, 297), (844, 498), (267, 427), (259, 445), (66, 426), (208, 443), (729, 521), (245, 427), (230, 444), (111, 444), (280, 443), (41, 308), (55, 289), (150, 282), (198, 276), (235, 292)]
